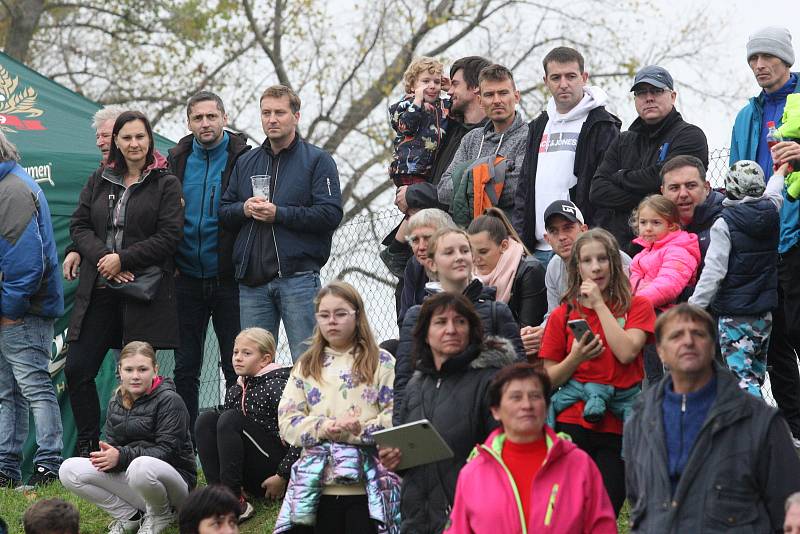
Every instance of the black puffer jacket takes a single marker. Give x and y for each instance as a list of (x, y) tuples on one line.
[(630, 170), (454, 400), (496, 318), (157, 425), (528, 300), (258, 399)]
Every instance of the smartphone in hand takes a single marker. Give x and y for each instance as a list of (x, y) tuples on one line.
[(579, 327)]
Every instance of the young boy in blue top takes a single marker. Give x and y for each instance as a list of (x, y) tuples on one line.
[(739, 282)]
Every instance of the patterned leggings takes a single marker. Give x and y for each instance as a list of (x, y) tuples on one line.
[(744, 340)]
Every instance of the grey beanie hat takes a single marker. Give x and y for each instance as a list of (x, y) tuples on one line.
[(773, 40), (745, 178)]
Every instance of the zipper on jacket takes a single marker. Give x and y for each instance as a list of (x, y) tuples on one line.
[(514, 488), (200, 221), (329, 185), (211, 202), (438, 382), (548, 516), (272, 226)]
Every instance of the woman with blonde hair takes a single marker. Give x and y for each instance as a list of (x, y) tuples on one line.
[(599, 373), (145, 468), (240, 446), (339, 393)]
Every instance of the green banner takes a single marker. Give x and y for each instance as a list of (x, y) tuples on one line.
[(52, 129)]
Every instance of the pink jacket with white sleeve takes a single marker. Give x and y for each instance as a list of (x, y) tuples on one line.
[(567, 494), (664, 268)]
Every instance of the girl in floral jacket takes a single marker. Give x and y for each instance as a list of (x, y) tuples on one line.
[(339, 393)]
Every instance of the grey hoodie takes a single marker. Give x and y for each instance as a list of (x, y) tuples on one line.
[(483, 142)]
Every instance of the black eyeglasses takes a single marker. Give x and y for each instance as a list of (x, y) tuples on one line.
[(655, 91)]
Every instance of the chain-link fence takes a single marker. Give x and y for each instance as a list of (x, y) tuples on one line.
[(354, 258)]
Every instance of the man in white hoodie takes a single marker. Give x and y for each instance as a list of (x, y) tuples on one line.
[(565, 145)]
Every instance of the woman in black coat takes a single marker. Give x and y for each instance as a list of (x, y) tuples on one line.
[(449, 257), (145, 468), (454, 365), (503, 262), (129, 221)]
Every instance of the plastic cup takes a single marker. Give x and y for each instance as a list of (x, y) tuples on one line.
[(260, 185)]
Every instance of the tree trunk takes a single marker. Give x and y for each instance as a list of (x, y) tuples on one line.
[(25, 16)]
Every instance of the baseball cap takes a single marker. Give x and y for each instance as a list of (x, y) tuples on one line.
[(655, 76), (566, 209)]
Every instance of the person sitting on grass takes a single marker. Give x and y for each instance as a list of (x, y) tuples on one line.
[(146, 467), (240, 446), (213, 509)]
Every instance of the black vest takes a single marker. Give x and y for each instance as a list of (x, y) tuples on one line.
[(751, 285)]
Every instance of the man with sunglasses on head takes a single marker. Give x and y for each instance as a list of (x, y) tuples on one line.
[(630, 169)]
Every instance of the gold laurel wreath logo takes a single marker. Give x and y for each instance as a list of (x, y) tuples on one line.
[(15, 100)]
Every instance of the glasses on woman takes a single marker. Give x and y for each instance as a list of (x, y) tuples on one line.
[(337, 315)]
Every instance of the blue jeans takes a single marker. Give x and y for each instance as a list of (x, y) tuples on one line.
[(543, 256), (25, 384), (290, 298)]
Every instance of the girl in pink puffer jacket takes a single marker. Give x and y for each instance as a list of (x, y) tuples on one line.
[(670, 257)]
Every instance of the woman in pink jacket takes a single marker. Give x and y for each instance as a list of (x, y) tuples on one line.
[(670, 257), (525, 478)]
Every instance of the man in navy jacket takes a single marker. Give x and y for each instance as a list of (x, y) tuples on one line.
[(284, 234)]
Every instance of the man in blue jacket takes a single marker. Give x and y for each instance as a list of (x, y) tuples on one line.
[(31, 297), (204, 284), (770, 55), (284, 232)]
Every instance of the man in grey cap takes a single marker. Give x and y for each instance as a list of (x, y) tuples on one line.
[(770, 55), (630, 169)]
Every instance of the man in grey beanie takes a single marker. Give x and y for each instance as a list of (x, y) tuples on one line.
[(770, 55)]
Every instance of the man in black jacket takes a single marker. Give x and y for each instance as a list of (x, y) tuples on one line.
[(565, 145), (204, 283), (702, 455), (630, 169)]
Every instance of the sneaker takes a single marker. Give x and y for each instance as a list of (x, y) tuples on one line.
[(247, 510), (796, 443), (123, 526), (153, 524), (7, 482), (42, 476), (395, 261)]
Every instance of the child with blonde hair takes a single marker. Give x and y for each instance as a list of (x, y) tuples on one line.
[(420, 123), (240, 446)]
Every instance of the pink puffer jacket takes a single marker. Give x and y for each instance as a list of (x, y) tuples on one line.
[(663, 269), (567, 494)]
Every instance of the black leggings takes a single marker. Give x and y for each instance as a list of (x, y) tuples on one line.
[(606, 451), (230, 457), (341, 514), (101, 330)]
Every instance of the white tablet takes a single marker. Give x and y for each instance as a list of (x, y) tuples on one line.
[(418, 441)]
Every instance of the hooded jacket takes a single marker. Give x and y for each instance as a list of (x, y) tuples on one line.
[(309, 207), (567, 493), (201, 225), (496, 318), (745, 138), (420, 131), (600, 128), (486, 142), (739, 473), (153, 227), (257, 398), (30, 280), (157, 425), (631, 166), (664, 268), (454, 400)]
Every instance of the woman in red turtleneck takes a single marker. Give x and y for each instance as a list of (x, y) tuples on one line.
[(524, 477)]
